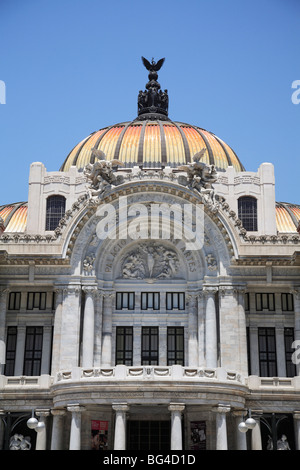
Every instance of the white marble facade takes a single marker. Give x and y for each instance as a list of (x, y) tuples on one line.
[(80, 378)]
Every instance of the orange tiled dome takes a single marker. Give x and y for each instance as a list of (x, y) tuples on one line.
[(14, 216), (153, 144)]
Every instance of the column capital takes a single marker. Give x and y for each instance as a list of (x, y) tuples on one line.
[(210, 290), (58, 412), (75, 408), (42, 412), (176, 407), (4, 291), (124, 407), (90, 289), (221, 409), (296, 415)]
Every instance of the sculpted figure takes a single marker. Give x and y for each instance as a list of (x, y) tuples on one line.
[(101, 174), (200, 176)]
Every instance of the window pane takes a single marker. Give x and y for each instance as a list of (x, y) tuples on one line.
[(55, 210), (124, 345), (169, 301), (33, 351), (30, 301), (247, 211), (175, 345)]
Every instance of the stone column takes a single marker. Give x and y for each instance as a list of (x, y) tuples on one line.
[(70, 328), (296, 416), (256, 443), (57, 429), (57, 330), (221, 427), (88, 336), (241, 440), (75, 434), (254, 353), (120, 425), (280, 348), (176, 426), (296, 295), (20, 349), (41, 438), (211, 328), (46, 353), (201, 330), (192, 330), (243, 357), (107, 329), (3, 306)]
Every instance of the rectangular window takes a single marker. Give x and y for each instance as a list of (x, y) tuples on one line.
[(265, 302), (11, 344), (36, 300), (150, 300), (124, 345), (175, 345), (288, 340), (125, 300), (14, 302), (247, 302), (267, 352), (33, 350), (175, 300), (287, 302), (150, 346)]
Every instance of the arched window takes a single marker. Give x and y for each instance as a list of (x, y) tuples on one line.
[(55, 210), (247, 209)]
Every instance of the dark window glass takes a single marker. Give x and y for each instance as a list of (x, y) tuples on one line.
[(288, 340), (267, 352), (125, 300), (247, 302), (124, 345), (14, 302), (33, 350), (265, 302), (36, 300), (247, 210), (287, 302), (150, 300), (175, 300), (175, 345), (150, 345), (55, 210), (11, 343)]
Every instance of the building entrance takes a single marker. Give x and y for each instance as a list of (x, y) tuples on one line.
[(148, 435)]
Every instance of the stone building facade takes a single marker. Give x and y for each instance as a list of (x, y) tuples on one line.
[(150, 296)]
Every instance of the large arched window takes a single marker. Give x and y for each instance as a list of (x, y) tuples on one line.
[(247, 209), (55, 210)]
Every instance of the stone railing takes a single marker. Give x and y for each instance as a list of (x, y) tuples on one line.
[(156, 373), (38, 382), (256, 383)]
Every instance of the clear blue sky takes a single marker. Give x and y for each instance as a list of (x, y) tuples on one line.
[(72, 67)]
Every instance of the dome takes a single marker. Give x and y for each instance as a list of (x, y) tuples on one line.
[(152, 140), (14, 217), (153, 144)]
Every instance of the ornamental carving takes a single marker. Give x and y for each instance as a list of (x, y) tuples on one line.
[(101, 174), (150, 261), (199, 175)]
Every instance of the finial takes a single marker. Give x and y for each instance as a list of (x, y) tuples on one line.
[(153, 103)]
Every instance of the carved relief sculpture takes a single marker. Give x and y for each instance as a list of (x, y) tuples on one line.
[(150, 261)]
